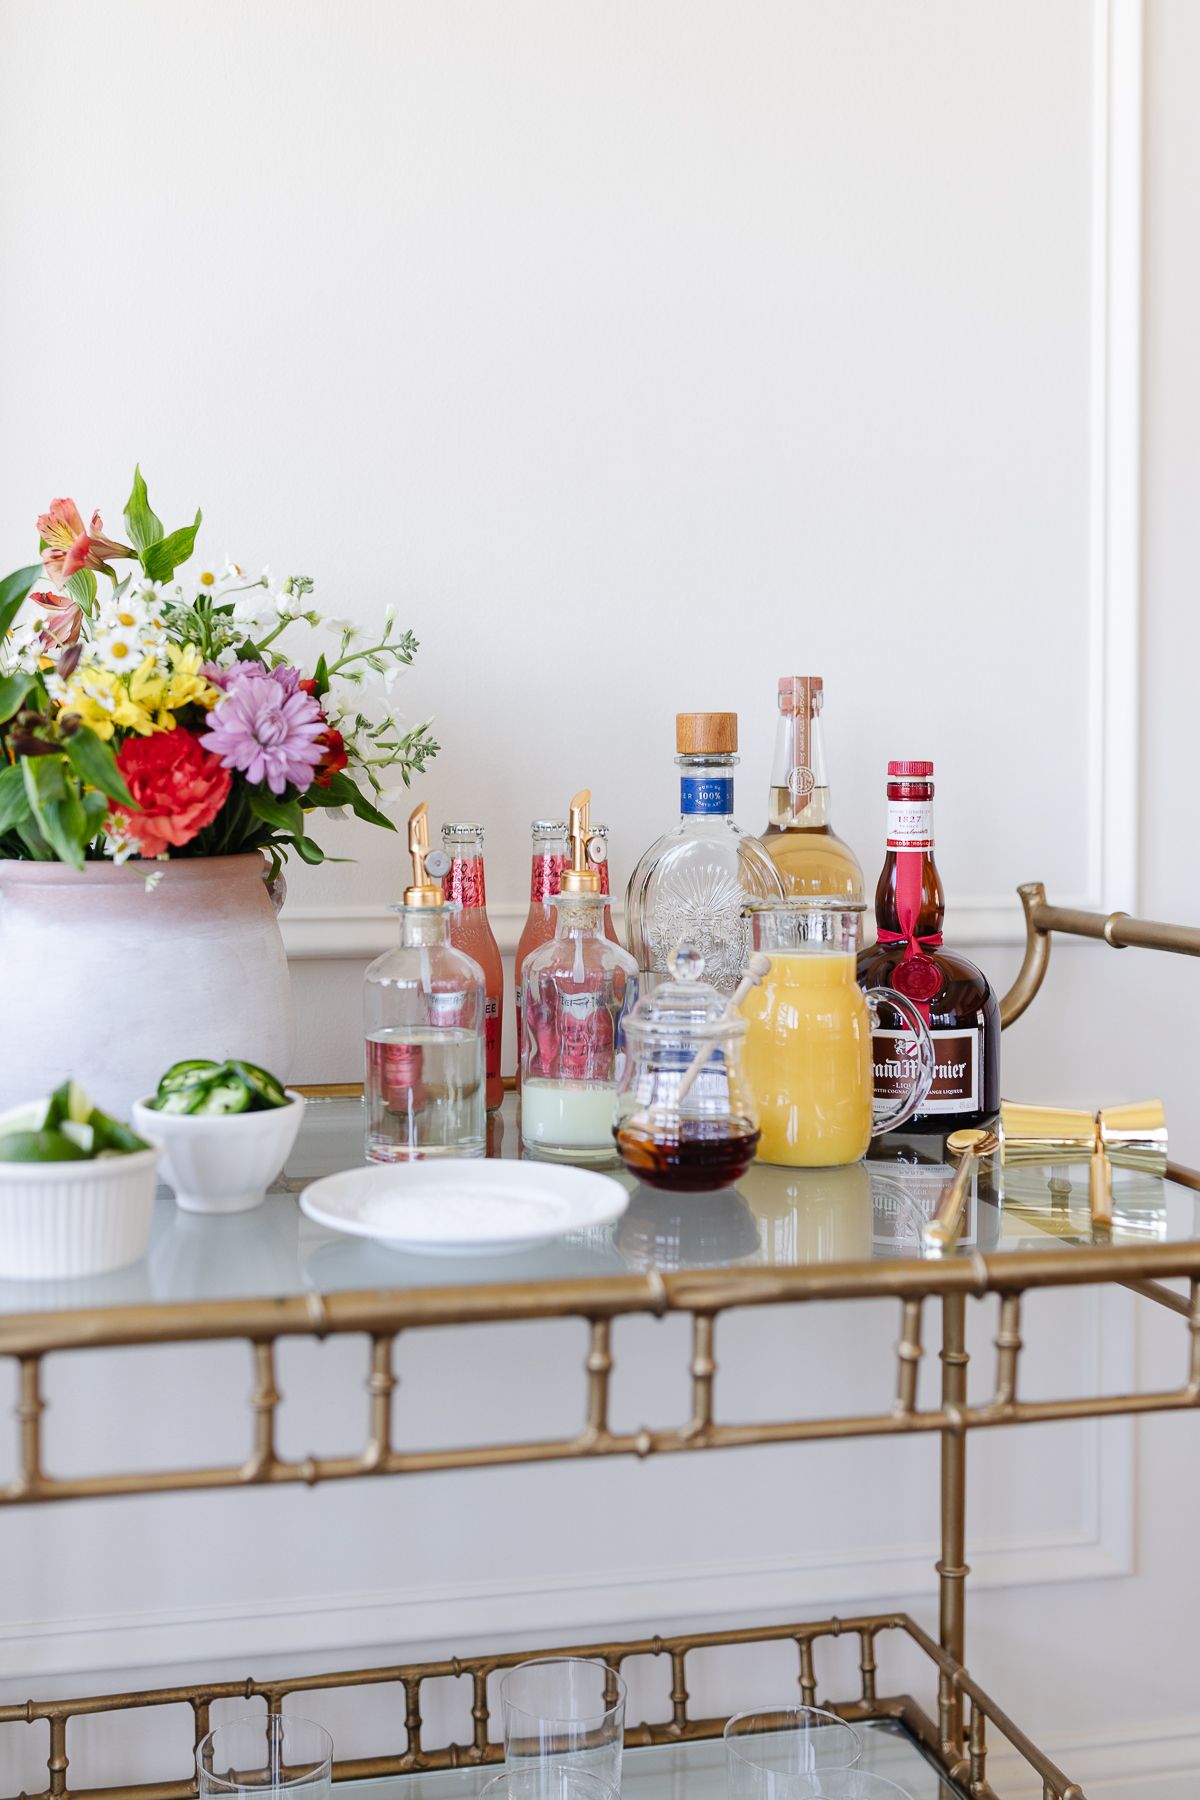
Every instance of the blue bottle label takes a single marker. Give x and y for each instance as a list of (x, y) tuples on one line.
[(707, 794)]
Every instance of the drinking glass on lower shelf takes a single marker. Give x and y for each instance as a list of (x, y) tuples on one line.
[(565, 1710), (266, 1754), (775, 1754), (851, 1784), (547, 1781)]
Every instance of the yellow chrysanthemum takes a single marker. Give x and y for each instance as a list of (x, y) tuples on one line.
[(104, 701), (187, 685)]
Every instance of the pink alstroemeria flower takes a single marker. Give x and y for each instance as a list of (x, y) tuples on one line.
[(65, 617), (69, 547)]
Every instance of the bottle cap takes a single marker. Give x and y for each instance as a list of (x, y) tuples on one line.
[(706, 733), (422, 892), (580, 878), (791, 691), (911, 771), (549, 825), (462, 831)]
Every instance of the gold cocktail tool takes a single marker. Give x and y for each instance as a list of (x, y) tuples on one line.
[(1125, 1137)]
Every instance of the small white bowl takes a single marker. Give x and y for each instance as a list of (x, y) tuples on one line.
[(68, 1219), (222, 1163)]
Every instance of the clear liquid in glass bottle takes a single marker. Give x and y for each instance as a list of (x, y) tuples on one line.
[(576, 991), (424, 1011), (693, 883)]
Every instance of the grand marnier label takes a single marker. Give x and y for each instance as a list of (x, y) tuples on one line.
[(956, 1070)]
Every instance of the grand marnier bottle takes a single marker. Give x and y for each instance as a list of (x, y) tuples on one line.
[(956, 999)]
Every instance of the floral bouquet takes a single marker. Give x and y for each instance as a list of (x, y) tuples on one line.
[(154, 714)]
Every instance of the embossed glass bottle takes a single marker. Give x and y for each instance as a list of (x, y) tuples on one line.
[(424, 1013), (694, 882)]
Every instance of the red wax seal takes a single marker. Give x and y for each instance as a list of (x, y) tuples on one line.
[(917, 978)]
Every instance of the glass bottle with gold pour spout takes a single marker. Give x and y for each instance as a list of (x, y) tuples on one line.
[(799, 838), (576, 991), (424, 1012)]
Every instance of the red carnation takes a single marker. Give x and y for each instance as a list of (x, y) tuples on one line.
[(179, 787), (333, 754), (333, 757)]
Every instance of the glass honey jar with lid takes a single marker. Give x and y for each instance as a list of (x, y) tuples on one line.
[(686, 1118)]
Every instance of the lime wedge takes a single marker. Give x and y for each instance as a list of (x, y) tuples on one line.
[(29, 1117), (39, 1147)]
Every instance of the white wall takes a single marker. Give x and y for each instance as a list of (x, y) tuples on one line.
[(642, 353)]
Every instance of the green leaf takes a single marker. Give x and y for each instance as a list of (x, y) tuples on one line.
[(56, 807), (82, 589), (143, 526), (341, 791), (284, 815), (321, 677), (14, 801), (310, 852), (13, 689), (95, 807), (93, 761), (161, 560), (13, 590)]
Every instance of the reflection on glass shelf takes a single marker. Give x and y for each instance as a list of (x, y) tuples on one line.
[(783, 1218), (686, 1772)]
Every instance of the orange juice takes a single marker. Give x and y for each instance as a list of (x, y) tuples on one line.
[(808, 1059)]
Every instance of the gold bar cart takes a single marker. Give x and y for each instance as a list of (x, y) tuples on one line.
[(953, 1735)]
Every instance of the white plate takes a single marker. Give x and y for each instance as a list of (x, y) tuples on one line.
[(463, 1207)]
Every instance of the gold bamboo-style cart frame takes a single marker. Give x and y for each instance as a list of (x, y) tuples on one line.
[(957, 1741)]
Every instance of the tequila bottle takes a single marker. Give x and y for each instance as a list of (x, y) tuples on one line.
[(576, 990), (424, 1007), (693, 884)]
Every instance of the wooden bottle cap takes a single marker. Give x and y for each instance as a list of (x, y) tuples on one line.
[(705, 734)]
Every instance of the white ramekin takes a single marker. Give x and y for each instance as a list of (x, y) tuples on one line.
[(224, 1163), (60, 1220)]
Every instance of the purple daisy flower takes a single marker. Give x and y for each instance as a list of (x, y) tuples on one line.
[(265, 730)]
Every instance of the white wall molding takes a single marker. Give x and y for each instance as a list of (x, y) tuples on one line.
[(590, 1601), (1115, 478), (335, 933), (1124, 1762), (584, 1604)]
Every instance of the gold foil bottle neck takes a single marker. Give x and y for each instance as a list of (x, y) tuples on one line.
[(581, 877), (422, 891)]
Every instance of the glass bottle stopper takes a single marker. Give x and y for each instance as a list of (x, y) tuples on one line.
[(686, 963)]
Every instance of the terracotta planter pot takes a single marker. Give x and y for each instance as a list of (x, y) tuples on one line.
[(112, 982)]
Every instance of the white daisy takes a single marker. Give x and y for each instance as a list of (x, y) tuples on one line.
[(120, 650)]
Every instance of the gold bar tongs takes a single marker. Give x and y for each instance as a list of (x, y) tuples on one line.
[(1129, 1137)]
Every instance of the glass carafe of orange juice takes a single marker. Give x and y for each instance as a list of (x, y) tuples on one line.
[(808, 1042)]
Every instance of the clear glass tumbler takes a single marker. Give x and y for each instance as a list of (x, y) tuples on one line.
[(850, 1784), (565, 1710), (773, 1755), (547, 1781), (264, 1754)]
